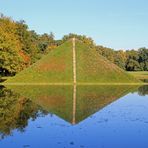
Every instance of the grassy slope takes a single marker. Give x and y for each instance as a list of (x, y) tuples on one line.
[(92, 67), (140, 74), (56, 67)]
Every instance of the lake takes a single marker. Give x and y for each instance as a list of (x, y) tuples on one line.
[(74, 116)]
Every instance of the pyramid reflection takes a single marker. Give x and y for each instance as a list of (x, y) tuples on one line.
[(73, 103)]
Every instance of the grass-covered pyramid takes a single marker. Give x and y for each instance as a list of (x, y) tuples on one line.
[(57, 67)]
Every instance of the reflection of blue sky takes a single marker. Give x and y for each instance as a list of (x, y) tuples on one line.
[(124, 123)]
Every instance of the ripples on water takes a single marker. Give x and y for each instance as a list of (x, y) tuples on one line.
[(66, 116)]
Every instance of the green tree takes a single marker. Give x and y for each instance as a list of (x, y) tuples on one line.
[(143, 58), (29, 41), (10, 47), (87, 40), (46, 42), (132, 63), (106, 52), (120, 59)]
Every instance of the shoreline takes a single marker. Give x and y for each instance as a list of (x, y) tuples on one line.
[(71, 84)]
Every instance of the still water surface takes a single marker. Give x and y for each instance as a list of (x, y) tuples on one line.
[(74, 117)]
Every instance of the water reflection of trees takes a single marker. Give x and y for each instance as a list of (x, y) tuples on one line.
[(70, 105), (15, 111), (143, 90)]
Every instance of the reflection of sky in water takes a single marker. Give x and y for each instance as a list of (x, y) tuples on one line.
[(123, 123)]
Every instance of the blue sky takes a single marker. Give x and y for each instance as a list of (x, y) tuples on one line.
[(119, 24)]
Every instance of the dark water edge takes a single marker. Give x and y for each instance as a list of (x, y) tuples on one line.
[(90, 116)]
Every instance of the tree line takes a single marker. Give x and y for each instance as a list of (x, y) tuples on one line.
[(21, 47), (129, 60)]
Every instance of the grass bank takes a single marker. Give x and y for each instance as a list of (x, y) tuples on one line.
[(141, 75)]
